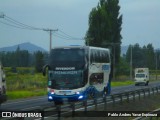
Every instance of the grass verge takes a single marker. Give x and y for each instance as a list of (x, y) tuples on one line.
[(17, 94), (25, 94), (121, 83)]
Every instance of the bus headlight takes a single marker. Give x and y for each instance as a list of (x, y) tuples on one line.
[(50, 97), (80, 97)]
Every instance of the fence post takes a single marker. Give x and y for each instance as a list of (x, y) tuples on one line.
[(95, 103), (139, 93), (149, 92), (127, 94), (73, 109), (42, 110), (157, 89), (59, 111), (105, 102), (113, 100), (144, 93), (153, 90), (85, 106), (121, 98), (134, 96)]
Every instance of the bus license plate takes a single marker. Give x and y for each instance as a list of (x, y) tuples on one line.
[(64, 92), (65, 99)]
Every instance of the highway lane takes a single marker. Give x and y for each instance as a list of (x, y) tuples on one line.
[(26, 104), (40, 102), (122, 89)]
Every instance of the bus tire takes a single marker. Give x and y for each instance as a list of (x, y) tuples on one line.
[(58, 102), (105, 91), (92, 94)]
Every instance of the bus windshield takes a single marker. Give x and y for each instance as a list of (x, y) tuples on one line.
[(74, 57), (67, 55), (140, 75), (65, 79)]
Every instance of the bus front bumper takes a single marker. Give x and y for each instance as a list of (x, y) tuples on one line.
[(63, 98)]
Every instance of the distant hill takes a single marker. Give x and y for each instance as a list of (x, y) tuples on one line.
[(23, 46)]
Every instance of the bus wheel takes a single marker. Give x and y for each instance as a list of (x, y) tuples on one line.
[(105, 91), (58, 102), (92, 94)]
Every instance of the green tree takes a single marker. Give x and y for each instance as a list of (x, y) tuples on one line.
[(124, 67), (157, 59), (105, 26), (141, 57), (22, 58), (150, 56), (39, 61), (137, 55)]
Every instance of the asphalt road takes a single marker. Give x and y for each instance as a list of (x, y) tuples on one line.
[(42, 101)]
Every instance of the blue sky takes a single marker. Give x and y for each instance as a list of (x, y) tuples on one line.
[(140, 21)]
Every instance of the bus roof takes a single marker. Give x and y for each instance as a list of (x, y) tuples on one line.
[(81, 47)]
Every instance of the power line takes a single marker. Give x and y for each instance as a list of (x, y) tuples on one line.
[(14, 23), (17, 24), (63, 35), (21, 24), (66, 37)]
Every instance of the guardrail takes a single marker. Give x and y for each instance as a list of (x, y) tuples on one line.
[(157, 111), (81, 108), (87, 105)]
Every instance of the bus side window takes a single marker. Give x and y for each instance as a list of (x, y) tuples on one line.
[(96, 78), (92, 56)]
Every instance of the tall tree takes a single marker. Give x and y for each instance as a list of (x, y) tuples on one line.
[(105, 26), (39, 61), (141, 56), (150, 56)]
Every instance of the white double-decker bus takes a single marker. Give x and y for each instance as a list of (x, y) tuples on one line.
[(76, 73)]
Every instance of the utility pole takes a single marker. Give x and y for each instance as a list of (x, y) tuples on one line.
[(113, 45), (50, 32), (131, 64), (156, 65)]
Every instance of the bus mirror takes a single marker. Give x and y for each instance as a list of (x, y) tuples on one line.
[(44, 69), (3, 79), (44, 72)]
